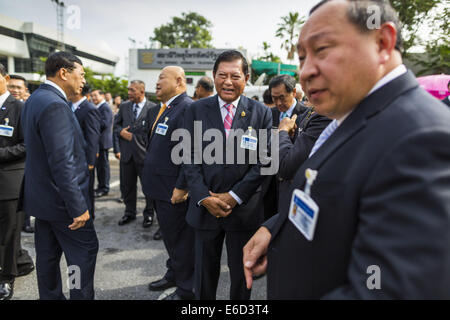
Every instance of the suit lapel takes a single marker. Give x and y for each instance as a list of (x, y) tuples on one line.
[(215, 116), (242, 115), (5, 108)]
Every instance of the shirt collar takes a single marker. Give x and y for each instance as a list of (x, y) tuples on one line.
[(141, 104), (76, 105), (168, 102), (54, 85), (3, 98), (395, 73), (234, 103), (100, 103), (291, 108)]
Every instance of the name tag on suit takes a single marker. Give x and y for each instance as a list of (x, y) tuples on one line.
[(6, 131)]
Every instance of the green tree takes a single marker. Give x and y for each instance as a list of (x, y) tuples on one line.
[(288, 32), (191, 30), (106, 83), (267, 55)]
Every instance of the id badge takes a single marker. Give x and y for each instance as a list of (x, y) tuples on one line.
[(162, 129), (249, 142), (6, 131), (303, 213)]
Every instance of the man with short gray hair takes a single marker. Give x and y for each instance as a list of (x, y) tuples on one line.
[(204, 88)]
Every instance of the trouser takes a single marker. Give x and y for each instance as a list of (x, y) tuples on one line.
[(208, 253), (12, 257), (80, 247), (91, 193), (178, 239), (129, 173), (103, 170)]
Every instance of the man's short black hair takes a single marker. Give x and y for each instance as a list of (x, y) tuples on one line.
[(3, 70), (288, 81), (267, 97), (86, 89), (100, 92), (60, 60), (17, 77), (229, 56), (206, 83), (359, 14)]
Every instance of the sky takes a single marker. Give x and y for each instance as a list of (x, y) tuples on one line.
[(108, 24)]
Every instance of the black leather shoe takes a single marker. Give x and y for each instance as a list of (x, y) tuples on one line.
[(161, 284), (120, 200), (6, 290), (23, 270), (28, 229), (176, 296), (100, 194), (157, 235), (125, 220), (148, 221)]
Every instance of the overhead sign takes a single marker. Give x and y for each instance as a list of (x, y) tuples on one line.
[(190, 59)]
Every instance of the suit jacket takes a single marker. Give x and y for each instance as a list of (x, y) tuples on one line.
[(106, 140), (136, 148), (56, 171), (243, 179), (446, 101), (382, 190), (160, 175), (12, 151), (90, 122), (292, 153)]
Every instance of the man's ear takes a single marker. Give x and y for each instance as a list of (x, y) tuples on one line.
[(7, 78), (62, 73), (386, 38)]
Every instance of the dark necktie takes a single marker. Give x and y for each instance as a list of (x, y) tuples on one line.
[(135, 111)]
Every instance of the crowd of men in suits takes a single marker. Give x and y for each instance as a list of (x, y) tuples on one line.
[(362, 183)]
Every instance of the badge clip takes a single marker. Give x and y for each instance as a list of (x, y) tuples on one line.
[(310, 176), (6, 121), (165, 120)]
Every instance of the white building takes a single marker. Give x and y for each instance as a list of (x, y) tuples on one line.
[(146, 64), (23, 44)]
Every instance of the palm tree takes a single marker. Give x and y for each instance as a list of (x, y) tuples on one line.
[(288, 31)]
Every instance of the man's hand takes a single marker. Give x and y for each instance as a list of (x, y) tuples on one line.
[(216, 207), (80, 221), (255, 259), (125, 134), (179, 195), (225, 197), (288, 125), (117, 155)]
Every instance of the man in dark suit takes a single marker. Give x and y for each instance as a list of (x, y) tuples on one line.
[(56, 182), (225, 196), (283, 90), (13, 259), (131, 128), (447, 99), (90, 122), (106, 142), (164, 182), (379, 173)]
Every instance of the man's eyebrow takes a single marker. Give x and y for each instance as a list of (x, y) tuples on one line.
[(313, 38)]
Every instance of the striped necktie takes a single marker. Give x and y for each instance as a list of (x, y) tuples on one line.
[(161, 111), (324, 136), (228, 121), (135, 111)]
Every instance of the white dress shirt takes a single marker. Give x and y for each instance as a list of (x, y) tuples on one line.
[(139, 105), (3, 98)]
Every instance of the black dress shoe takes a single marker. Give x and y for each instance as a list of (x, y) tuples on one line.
[(125, 220), (120, 200), (6, 290), (161, 284), (176, 296), (25, 269), (157, 235), (28, 229), (100, 194), (148, 221)]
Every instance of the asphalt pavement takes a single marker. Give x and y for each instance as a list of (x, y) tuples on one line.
[(128, 258)]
